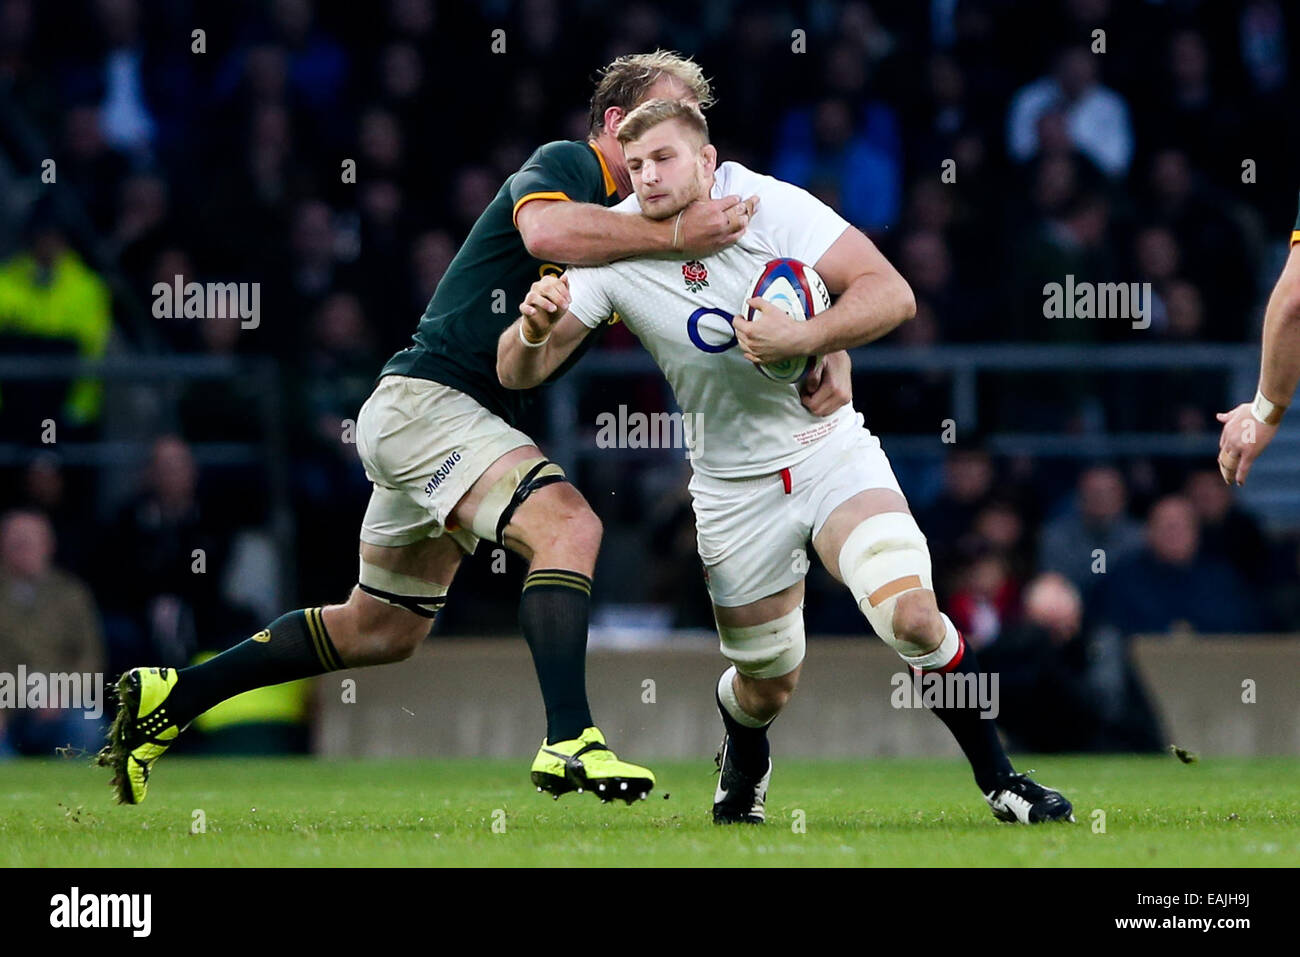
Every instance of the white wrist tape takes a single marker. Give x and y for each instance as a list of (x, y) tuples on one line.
[(1270, 413), (532, 345)]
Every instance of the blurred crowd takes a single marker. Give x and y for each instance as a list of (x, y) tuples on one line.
[(988, 146)]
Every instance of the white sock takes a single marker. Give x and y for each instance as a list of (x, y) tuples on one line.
[(941, 656), (727, 693)]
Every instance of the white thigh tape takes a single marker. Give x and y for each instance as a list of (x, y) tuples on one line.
[(403, 591)]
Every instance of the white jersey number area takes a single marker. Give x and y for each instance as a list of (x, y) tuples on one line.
[(746, 423)]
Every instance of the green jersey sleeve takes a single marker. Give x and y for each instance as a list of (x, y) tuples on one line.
[(1295, 233), (564, 170)]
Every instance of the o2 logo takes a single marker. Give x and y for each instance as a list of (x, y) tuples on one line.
[(710, 330)]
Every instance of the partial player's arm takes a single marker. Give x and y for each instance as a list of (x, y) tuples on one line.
[(583, 234), (1280, 367), (829, 386), (874, 299), (544, 335), (1250, 427)]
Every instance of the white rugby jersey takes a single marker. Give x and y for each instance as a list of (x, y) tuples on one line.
[(745, 423)]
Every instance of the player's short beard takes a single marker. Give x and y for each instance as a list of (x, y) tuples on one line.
[(696, 192)]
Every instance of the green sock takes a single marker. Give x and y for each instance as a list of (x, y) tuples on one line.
[(553, 613), (295, 645)]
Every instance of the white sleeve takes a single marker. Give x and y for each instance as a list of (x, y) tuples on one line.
[(794, 223), (589, 300)]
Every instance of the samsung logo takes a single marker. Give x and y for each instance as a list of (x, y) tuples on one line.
[(441, 472)]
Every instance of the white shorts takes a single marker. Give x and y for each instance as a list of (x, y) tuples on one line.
[(424, 444), (753, 533)]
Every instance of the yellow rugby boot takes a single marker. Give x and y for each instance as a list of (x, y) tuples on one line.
[(141, 732), (584, 763)]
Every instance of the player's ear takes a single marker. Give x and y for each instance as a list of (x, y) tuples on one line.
[(709, 157), (614, 117)]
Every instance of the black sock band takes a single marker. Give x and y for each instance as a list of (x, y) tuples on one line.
[(295, 645), (977, 735), (553, 614), (749, 747)]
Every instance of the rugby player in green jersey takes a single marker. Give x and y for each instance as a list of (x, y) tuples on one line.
[(1249, 427), (438, 440)]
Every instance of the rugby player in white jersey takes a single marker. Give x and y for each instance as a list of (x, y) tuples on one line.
[(770, 476)]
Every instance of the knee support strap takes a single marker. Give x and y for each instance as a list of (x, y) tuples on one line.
[(769, 650), (404, 591), (883, 558), (509, 492)]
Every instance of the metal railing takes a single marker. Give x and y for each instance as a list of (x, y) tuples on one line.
[(1273, 492), (567, 440), (964, 365)]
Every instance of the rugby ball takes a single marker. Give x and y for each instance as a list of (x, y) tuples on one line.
[(796, 288)]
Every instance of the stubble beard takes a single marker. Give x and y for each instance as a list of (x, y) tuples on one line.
[(695, 193)]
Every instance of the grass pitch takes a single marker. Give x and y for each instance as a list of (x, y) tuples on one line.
[(894, 812)]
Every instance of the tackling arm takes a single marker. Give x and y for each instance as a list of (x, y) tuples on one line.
[(583, 234)]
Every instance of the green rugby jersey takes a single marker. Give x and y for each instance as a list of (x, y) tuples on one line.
[(479, 295), (1295, 233)]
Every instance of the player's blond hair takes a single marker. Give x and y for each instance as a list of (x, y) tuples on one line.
[(625, 81), (653, 112)]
